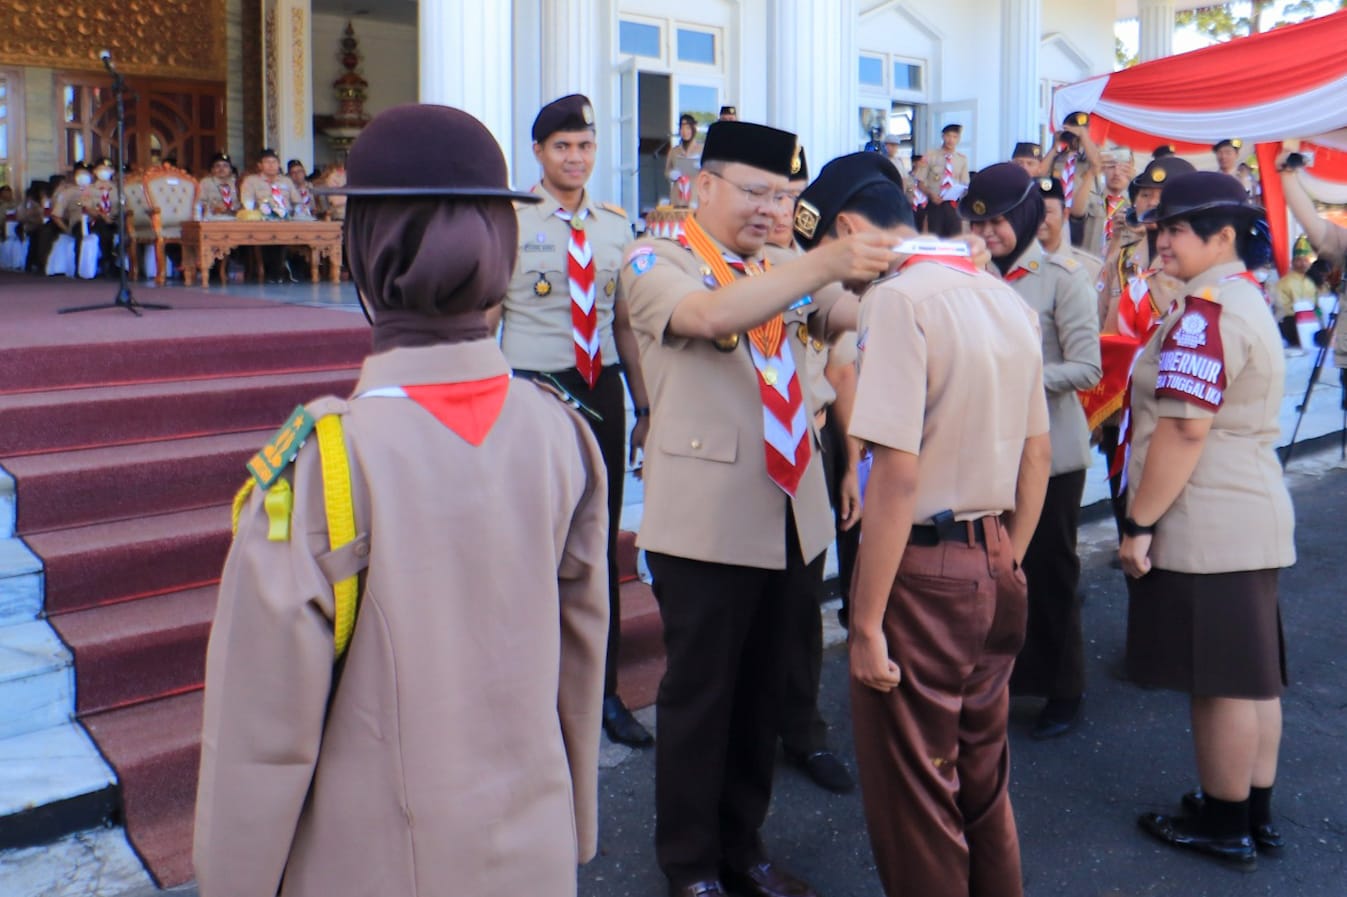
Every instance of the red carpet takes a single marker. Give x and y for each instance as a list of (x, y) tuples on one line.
[(126, 438)]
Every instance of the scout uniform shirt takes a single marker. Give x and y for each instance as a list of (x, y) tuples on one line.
[(536, 325), (1294, 288), (950, 371), (99, 201), (1058, 289), (280, 193), (934, 173), (708, 496), (686, 161), (220, 197), (67, 206), (1221, 357)]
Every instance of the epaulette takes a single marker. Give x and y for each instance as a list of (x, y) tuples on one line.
[(551, 385), (1066, 262), (282, 448), (615, 209)]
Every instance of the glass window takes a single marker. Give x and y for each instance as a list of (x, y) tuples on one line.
[(4, 140), (639, 39), (696, 46), (906, 76), (71, 100), (872, 71), (702, 103)]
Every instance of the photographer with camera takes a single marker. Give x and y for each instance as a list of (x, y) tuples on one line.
[(1080, 165)]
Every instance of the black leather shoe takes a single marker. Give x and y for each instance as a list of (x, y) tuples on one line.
[(1266, 838), (765, 880), (1057, 717), (825, 769), (1183, 831), (621, 726), (709, 888)]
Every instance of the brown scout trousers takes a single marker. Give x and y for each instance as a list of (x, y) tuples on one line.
[(933, 759)]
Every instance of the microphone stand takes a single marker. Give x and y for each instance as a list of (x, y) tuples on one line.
[(124, 297)]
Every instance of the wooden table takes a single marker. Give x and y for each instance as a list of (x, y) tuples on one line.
[(206, 242)]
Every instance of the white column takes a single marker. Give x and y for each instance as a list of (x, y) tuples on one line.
[(290, 32), (1157, 28), (569, 49), (465, 61), (812, 79), (1021, 35)]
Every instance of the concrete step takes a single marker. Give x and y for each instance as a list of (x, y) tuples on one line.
[(37, 679), (20, 583), (6, 505), (52, 782)]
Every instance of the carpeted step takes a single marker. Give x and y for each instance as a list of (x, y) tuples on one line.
[(106, 563), (188, 357), (65, 419), (77, 488), (139, 650), (155, 749)]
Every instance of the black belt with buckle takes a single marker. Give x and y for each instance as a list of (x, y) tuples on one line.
[(948, 531)]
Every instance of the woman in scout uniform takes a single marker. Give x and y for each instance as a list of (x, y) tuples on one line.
[(1005, 207), (451, 745), (1210, 521), (685, 157)]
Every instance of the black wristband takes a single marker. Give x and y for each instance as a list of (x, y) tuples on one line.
[(641, 411), (1132, 529)]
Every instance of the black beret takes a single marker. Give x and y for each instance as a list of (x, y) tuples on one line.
[(221, 157), (995, 190), (268, 153), (1164, 149), (104, 162), (420, 149), (728, 110), (1159, 172), (570, 113), (751, 144), (292, 163), (1077, 119), (1051, 188), (1025, 150), (81, 165), (799, 166), (951, 127), (1202, 191), (841, 179), (1233, 142)]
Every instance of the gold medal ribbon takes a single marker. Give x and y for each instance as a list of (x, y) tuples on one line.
[(766, 336)]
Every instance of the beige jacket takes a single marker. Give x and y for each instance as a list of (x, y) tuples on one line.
[(456, 754), (279, 192)]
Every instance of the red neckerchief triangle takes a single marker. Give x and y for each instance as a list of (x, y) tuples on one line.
[(469, 409), (1017, 274)]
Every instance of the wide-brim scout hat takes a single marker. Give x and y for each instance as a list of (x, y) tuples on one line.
[(747, 143), (1158, 173), (420, 149), (1025, 150), (837, 182), (995, 190), (573, 112), (1202, 191)]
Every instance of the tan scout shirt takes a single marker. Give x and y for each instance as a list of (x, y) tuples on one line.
[(99, 201), (67, 206), (1062, 294), (950, 371), (1234, 513), (707, 493), (458, 752), (686, 161), (536, 322), (258, 189), (934, 173), (1294, 287), (209, 191)]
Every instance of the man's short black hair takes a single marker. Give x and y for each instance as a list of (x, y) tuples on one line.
[(881, 204)]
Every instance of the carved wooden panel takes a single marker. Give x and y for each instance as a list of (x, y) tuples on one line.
[(167, 38)]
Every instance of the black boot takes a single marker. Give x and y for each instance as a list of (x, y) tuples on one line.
[(1220, 831), (1265, 835)]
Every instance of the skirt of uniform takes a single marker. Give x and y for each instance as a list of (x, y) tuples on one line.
[(1215, 635)]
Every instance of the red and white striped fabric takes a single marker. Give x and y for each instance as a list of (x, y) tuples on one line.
[(1069, 180), (947, 180), (785, 423), (1284, 84), (584, 316)]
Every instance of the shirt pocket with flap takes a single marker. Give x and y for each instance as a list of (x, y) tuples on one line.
[(705, 440)]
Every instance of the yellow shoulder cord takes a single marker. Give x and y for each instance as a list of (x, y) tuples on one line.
[(240, 499), (340, 509)]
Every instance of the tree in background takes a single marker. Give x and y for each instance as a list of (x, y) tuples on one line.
[(1223, 21)]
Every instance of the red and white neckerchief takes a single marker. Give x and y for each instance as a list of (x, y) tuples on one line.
[(470, 408), (278, 197), (785, 422), (1068, 181), (227, 196), (918, 199), (1111, 204), (584, 315), (947, 179), (105, 202)]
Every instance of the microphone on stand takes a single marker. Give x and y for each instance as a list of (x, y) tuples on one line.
[(106, 56)]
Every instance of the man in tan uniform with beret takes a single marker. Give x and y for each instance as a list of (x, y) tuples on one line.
[(218, 190), (952, 406), (565, 321), (275, 196), (736, 515)]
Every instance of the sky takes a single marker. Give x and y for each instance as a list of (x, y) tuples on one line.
[(1186, 39)]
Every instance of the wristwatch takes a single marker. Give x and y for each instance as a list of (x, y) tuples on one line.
[(1133, 529)]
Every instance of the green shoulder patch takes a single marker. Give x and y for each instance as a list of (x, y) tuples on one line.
[(266, 466)]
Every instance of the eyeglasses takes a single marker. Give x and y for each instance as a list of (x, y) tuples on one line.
[(761, 195)]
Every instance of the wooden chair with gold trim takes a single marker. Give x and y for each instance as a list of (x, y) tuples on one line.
[(171, 194)]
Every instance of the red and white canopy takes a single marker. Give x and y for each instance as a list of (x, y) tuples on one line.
[(1288, 84)]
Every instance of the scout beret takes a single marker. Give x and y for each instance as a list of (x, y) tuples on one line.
[(836, 184), (1051, 188), (1027, 151), (799, 168), (570, 113), (292, 163), (751, 144), (951, 127), (1233, 142), (728, 110), (221, 157), (81, 165), (268, 153), (995, 190), (104, 162), (420, 149), (1077, 119), (1159, 172), (1202, 191), (1164, 149)]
